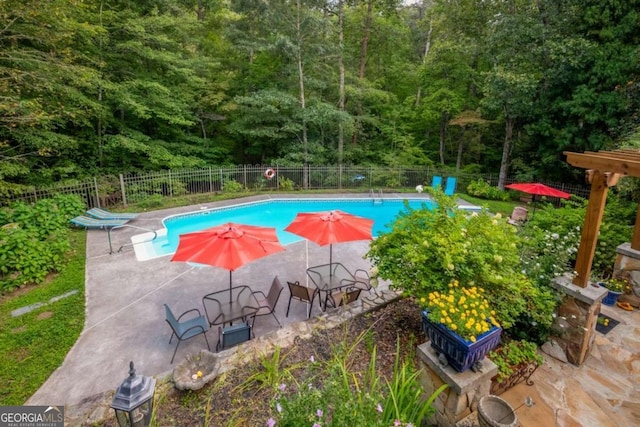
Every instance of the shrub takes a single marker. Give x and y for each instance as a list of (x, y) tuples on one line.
[(483, 190), (232, 186), (512, 355), (426, 249), (34, 239), (568, 221), (285, 184)]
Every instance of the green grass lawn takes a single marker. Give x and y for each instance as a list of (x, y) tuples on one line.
[(34, 344), (495, 206)]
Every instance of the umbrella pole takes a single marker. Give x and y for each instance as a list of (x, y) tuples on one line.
[(330, 259), (230, 290)]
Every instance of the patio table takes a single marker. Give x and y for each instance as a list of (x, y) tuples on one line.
[(329, 277), (220, 309)]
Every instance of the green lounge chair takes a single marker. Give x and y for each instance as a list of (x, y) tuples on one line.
[(94, 223), (102, 214)]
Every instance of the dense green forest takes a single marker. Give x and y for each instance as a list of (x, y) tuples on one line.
[(90, 87)]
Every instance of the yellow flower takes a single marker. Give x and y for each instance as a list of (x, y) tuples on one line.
[(422, 300), (472, 339), (463, 309)]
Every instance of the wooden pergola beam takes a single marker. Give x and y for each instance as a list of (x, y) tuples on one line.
[(608, 161), (591, 228)]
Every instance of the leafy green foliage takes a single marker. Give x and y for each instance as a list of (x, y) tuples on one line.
[(334, 396), (566, 222), (89, 87), (233, 186), (510, 356), (427, 248), (35, 239), (285, 184), (34, 345), (481, 189)]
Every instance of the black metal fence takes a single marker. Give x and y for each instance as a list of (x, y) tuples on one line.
[(109, 191)]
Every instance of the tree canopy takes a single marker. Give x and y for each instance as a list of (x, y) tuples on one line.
[(120, 86)]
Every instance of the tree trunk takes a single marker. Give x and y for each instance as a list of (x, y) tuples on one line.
[(363, 64), (443, 134), (365, 39), (460, 148), (302, 98), (200, 11), (341, 90), (427, 48), (506, 151)]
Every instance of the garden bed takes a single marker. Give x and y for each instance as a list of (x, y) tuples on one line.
[(232, 401)]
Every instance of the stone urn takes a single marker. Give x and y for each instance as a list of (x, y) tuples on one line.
[(196, 370), (494, 411)]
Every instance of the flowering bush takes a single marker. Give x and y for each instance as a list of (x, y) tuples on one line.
[(427, 248), (464, 310)]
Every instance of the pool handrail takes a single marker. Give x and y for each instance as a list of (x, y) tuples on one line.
[(155, 234)]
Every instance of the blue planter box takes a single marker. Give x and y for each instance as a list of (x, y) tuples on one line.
[(460, 353), (611, 298)]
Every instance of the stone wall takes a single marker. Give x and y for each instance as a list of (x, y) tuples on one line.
[(627, 266)]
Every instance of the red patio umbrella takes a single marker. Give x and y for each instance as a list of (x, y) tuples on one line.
[(227, 246), (327, 228), (538, 189)]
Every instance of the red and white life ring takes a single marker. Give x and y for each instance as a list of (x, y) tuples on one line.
[(269, 173)]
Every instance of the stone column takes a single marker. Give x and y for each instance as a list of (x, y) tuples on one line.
[(464, 391), (628, 266), (574, 328)]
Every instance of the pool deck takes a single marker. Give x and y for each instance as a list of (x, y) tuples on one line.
[(124, 297)]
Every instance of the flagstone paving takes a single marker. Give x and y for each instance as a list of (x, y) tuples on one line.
[(603, 392)]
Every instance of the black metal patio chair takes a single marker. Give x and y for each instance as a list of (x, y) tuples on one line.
[(186, 329)]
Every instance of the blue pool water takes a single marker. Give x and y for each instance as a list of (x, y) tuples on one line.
[(278, 214)]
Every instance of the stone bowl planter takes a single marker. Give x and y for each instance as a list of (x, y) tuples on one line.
[(196, 370), (494, 411)]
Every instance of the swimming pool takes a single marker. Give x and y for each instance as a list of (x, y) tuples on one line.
[(277, 213)]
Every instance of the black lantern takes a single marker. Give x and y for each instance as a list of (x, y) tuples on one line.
[(133, 401)]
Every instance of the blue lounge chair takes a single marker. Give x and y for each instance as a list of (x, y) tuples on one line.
[(87, 222), (436, 182), (450, 187), (102, 214)]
